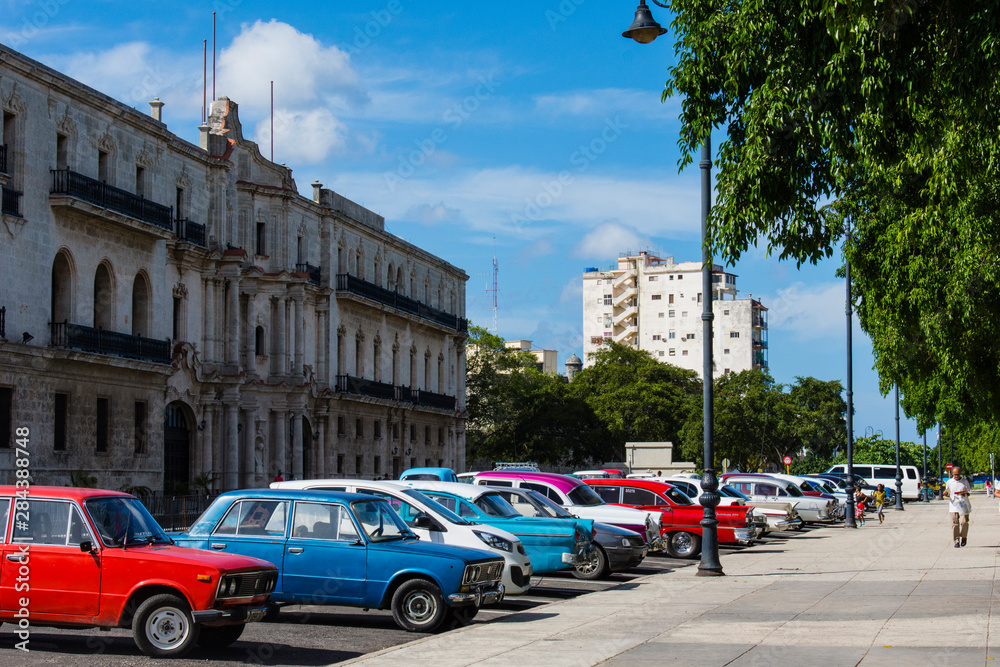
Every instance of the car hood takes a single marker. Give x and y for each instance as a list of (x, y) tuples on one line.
[(541, 525), (181, 555), (606, 530), (614, 514), (412, 547)]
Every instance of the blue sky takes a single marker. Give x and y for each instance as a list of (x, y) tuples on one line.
[(532, 128)]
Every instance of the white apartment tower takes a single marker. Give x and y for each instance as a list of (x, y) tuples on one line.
[(654, 304)]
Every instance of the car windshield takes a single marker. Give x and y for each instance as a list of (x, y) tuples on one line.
[(545, 505), (494, 505), (793, 490), (379, 521), (584, 495), (124, 521), (732, 493), (677, 496), (437, 507)]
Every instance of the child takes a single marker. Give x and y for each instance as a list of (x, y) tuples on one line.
[(859, 512), (880, 502)]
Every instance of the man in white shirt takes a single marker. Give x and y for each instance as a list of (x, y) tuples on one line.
[(958, 490)]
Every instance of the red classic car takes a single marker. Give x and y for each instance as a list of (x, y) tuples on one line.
[(680, 526), (90, 558)]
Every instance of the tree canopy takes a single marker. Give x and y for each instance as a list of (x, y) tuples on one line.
[(884, 114)]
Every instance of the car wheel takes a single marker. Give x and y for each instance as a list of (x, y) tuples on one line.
[(595, 568), (418, 606), (220, 636), (272, 611), (163, 627), (684, 545), (459, 617)]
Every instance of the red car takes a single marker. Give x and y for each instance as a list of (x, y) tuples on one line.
[(86, 558), (681, 523)]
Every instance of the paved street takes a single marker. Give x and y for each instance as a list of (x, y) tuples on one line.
[(890, 594)]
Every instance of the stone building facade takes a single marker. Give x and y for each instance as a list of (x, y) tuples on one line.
[(654, 304), (173, 314)]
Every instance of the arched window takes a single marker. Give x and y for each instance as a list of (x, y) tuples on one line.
[(400, 280), (141, 308), (63, 277), (377, 360), (258, 342), (390, 282), (104, 297)]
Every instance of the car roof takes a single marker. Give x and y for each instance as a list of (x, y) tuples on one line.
[(754, 477), (68, 492), (470, 491), (528, 476), (294, 494), (429, 470), (309, 483), (650, 484)]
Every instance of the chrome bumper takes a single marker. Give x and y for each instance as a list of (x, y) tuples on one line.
[(480, 596), (245, 614)]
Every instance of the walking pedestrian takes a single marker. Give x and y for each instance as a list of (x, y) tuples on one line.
[(958, 489), (859, 509), (880, 502)]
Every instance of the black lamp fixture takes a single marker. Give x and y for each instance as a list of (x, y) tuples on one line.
[(645, 29), (26, 338)]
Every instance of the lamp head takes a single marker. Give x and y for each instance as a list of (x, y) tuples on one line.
[(644, 28)]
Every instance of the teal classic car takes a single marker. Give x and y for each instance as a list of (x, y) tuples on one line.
[(551, 544), (350, 549)]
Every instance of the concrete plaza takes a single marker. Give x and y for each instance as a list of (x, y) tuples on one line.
[(889, 594)]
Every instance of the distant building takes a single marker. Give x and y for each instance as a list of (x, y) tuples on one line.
[(654, 304), (573, 366), (546, 359), (170, 310)]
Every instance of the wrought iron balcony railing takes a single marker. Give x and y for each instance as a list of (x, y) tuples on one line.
[(355, 285), (66, 182), (315, 273), (99, 341), (353, 385), (192, 232), (11, 202), (432, 400)]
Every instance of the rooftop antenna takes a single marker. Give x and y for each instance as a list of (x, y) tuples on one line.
[(494, 289), (204, 80), (213, 56), (272, 120)]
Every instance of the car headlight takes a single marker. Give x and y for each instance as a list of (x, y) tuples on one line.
[(625, 542), (494, 541)]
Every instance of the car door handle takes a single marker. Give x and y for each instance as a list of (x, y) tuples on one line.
[(295, 550), (15, 558), (218, 545)]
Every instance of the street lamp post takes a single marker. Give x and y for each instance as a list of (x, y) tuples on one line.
[(926, 492), (940, 493), (645, 29), (899, 470), (849, 521)]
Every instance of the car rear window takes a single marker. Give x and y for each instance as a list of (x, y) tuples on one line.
[(632, 496)]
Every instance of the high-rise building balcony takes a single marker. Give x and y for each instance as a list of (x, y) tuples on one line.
[(75, 190), (112, 343)]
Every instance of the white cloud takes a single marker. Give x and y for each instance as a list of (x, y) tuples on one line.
[(808, 312), (433, 214), (610, 237), (305, 73), (607, 101), (572, 292), (304, 136)]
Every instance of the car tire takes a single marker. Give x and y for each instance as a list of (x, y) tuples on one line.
[(163, 627), (595, 568), (683, 545), (272, 611), (219, 636), (459, 617), (418, 606)]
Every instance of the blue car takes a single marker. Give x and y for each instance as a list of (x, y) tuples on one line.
[(429, 474), (551, 544), (350, 549)]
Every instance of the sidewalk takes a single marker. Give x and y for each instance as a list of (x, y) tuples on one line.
[(890, 594)]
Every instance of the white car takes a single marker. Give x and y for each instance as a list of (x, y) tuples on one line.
[(764, 488), (433, 522), (777, 516)]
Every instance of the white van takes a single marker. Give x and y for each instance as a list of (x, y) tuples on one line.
[(886, 474)]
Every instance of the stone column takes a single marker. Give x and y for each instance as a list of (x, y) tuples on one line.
[(206, 464), (208, 335), (251, 331), (249, 447), (297, 298), (297, 444), (319, 449), (231, 478), (215, 436), (218, 352), (280, 421), (233, 321), (322, 346), (279, 333)]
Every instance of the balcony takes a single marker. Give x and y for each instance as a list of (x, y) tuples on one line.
[(354, 285), (315, 273), (92, 191), (112, 343), (192, 232), (760, 344), (432, 400), (11, 202), (349, 384)]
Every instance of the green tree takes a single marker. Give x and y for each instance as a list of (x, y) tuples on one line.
[(884, 113), (635, 397), (820, 416), (879, 451)]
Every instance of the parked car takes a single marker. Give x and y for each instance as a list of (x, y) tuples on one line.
[(886, 474), (607, 473), (681, 522), (433, 522), (779, 516), (763, 488), (839, 482), (429, 474), (614, 549), (550, 544), (579, 499), (780, 519), (353, 550), (98, 559)]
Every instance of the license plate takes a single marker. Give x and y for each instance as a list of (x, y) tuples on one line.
[(490, 598), (255, 615)]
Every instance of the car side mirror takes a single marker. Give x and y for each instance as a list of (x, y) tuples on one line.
[(87, 547), (423, 521)]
